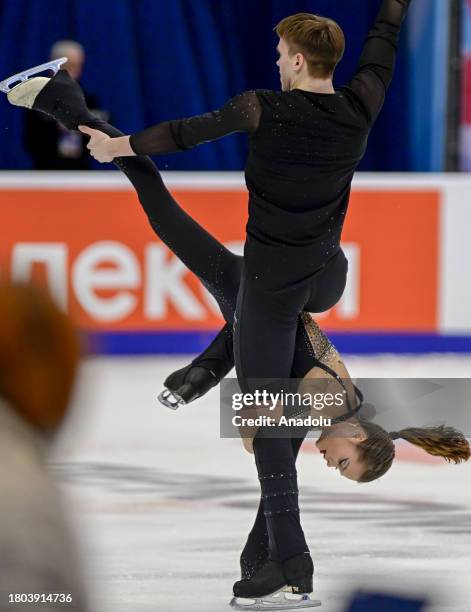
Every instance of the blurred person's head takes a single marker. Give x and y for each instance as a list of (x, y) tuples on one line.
[(365, 451), (310, 46), (39, 355), (75, 54)]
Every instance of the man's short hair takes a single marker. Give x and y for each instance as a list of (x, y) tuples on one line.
[(319, 39)]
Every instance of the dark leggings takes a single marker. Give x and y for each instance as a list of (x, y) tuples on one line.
[(268, 320), (272, 535), (277, 531)]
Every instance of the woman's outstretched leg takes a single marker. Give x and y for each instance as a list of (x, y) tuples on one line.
[(215, 266), (218, 269)]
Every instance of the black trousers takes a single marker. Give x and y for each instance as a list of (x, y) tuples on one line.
[(268, 320), (277, 532)]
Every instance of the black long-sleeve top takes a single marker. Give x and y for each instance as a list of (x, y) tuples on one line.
[(304, 149)]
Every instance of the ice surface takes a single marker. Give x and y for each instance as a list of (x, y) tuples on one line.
[(162, 506)]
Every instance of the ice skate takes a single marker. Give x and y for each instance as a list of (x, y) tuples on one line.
[(274, 587), (186, 385), (59, 97), (24, 77)]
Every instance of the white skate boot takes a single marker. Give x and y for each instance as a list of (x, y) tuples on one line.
[(25, 89)]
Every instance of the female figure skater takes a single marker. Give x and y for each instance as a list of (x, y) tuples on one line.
[(276, 555)]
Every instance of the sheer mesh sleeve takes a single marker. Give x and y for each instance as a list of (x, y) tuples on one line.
[(378, 59), (240, 114)]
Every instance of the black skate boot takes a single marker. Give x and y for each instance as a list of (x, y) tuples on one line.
[(59, 97), (202, 374), (186, 385), (298, 572), (277, 586), (269, 579)]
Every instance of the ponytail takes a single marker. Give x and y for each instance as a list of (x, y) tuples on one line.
[(440, 441), (377, 452)]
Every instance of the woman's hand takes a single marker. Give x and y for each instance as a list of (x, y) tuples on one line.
[(105, 149)]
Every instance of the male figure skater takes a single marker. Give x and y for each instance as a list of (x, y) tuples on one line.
[(305, 143)]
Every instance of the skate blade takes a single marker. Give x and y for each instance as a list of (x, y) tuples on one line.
[(171, 399), (280, 600), (21, 77)]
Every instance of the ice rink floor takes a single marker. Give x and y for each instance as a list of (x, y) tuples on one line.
[(162, 506)]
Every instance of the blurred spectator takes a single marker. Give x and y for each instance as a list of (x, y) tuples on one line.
[(39, 356), (50, 145)]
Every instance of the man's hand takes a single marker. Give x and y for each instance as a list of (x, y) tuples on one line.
[(105, 149), (99, 145)]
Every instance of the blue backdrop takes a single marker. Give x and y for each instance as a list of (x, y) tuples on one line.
[(151, 60)]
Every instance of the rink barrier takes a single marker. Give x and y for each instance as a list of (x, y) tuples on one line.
[(84, 236), (178, 342)]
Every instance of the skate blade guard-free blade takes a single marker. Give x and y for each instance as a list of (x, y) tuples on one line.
[(21, 77), (170, 399), (280, 600)]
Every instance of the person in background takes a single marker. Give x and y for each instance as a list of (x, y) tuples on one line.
[(51, 146), (39, 358)]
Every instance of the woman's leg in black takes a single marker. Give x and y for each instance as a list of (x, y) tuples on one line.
[(215, 266)]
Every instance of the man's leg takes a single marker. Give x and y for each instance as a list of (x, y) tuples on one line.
[(265, 336), (265, 332), (328, 285), (256, 551)]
